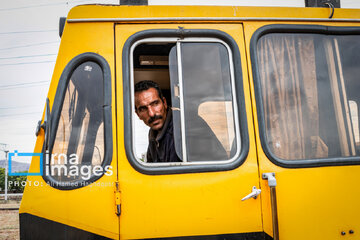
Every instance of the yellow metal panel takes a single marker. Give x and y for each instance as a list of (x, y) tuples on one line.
[(313, 203), (90, 208), (103, 11), (186, 204)]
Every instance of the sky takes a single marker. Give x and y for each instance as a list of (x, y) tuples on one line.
[(29, 43)]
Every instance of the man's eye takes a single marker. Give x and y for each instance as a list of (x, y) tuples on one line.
[(141, 109), (154, 103)]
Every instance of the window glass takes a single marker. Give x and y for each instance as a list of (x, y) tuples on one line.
[(207, 101), (310, 94), (218, 115), (195, 79), (79, 141)]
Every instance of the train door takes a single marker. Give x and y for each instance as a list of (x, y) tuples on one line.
[(307, 93), (74, 198), (201, 69)]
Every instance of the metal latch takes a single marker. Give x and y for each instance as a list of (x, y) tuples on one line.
[(255, 192), (271, 179), (117, 199)]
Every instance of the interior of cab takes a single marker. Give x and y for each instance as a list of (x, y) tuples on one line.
[(151, 62), (210, 122)]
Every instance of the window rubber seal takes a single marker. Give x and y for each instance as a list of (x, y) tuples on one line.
[(56, 112), (296, 29)]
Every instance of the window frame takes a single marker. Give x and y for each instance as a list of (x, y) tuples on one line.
[(240, 119), (57, 109), (295, 29)]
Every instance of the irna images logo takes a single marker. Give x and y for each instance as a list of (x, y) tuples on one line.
[(57, 165), (71, 167), (17, 155)]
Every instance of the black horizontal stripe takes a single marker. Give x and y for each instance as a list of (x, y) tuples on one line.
[(38, 228), (236, 236)]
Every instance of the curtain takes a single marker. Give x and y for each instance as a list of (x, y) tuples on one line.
[(289, 96)]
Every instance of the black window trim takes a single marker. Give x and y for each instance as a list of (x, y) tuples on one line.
[(57, 108), (234, 103), (293, 28), (128, 135)]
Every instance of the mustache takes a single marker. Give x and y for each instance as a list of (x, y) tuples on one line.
[(152, 119)]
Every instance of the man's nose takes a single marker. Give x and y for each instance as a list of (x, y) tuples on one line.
[(151, 111)]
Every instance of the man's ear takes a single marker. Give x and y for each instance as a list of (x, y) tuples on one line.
[(165, 103)]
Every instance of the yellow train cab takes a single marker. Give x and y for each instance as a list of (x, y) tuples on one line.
[(264, 140)]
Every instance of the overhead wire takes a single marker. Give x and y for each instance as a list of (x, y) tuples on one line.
[(19, 114), (42, 5), (30, 45), (9, 64), (31, 31), (10, 86), (16, 107), (28, 56)]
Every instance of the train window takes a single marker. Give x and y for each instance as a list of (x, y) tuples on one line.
[(208, 117), (196, 79), (310, 94), (78, 149)]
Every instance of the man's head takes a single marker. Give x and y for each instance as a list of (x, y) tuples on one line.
[(150, 104)]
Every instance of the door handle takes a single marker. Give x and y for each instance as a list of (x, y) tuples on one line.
[(255, 192)]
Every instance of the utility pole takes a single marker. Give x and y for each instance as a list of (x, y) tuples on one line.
[(3, 147), (6, 174)]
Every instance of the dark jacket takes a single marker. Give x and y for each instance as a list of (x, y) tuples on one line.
[(161, 143)]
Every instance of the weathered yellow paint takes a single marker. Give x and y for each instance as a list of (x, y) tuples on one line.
[(187, 204), (85, 207), (103, 11), (313, 203)]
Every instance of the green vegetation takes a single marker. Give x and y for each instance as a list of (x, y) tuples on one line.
[(15, 186)]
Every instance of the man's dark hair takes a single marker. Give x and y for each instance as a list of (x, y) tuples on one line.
[(146, 84)]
